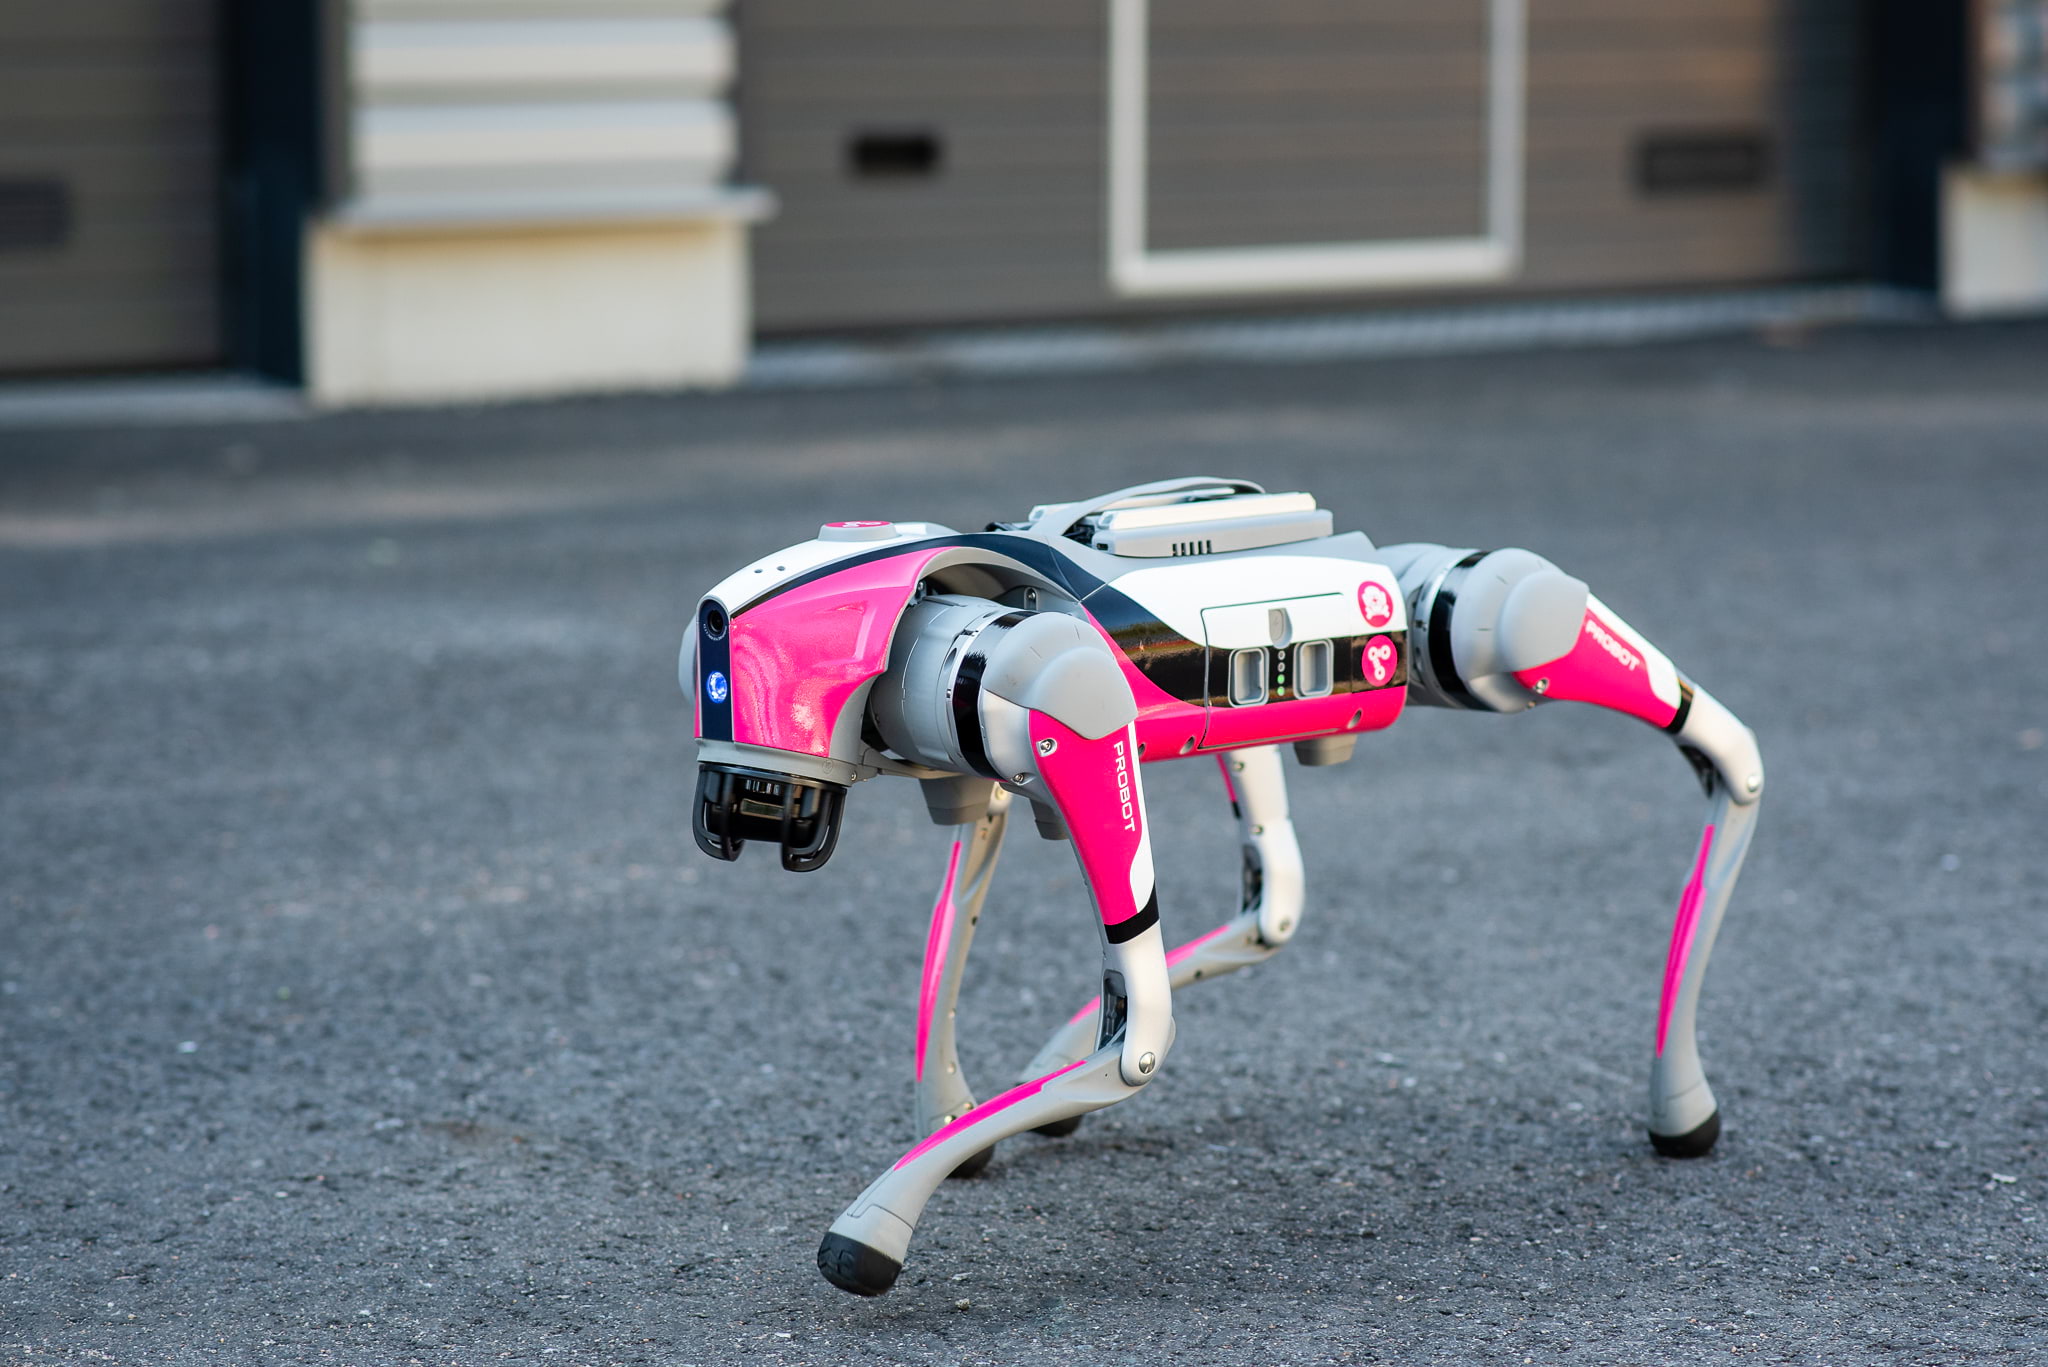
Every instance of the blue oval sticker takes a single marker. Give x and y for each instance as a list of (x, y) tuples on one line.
[(715, 686)]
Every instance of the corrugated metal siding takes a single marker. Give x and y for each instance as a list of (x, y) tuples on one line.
[(535, 102), (1287, 121), (1011, 226), (1297, 121), (116, 101)]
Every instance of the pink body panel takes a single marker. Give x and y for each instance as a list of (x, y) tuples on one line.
[(1602, 668), (936, 945), (1681, 937), (985, 1110), (1169, 728), (799, 657), (1095, 784), (1231, 728)]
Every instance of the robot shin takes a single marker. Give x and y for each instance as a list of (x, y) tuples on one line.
[(1044, 660)]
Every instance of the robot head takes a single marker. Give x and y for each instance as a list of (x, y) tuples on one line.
[(781, 663), (766, 771)]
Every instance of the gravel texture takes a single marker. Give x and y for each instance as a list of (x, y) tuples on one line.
[(364, 999)]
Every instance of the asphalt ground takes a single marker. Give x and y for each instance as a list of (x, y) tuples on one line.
[(365, 1000)]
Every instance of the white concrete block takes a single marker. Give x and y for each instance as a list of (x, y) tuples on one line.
[(1994, 242), (396, 316)]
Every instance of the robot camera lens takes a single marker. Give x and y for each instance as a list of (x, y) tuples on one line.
[(714, 621)]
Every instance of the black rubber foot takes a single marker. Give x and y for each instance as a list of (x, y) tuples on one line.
[(1059, 1129), (852, 1266), (1696, 1142), (974, 1164)]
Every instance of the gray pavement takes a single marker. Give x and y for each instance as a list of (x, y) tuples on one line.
[(364, 999)]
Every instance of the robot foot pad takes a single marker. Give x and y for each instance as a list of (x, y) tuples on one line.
[(1696, 1142), (853, 1266)]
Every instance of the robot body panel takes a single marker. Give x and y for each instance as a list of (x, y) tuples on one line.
[(804, 643), (797, 658)]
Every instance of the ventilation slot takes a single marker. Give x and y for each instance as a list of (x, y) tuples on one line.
[(895, 154), (1247, 677), (1194, 547), (1702, 162), (1312, 675), (34, 213)]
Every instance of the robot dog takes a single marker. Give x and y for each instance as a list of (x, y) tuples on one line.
[(1050, 659)]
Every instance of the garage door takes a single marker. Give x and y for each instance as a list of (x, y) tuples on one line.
[(943, 160), (109, 145)]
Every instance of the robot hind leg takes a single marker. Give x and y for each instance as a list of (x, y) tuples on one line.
[(1503, 631), (978, 811)]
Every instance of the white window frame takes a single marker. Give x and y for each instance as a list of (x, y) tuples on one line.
[(1494, 255)]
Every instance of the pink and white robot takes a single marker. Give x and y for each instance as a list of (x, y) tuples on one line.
[(1048, 660)]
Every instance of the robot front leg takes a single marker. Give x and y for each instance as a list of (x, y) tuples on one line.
[(1051, 717), (1505, 630), (942, 1092), (1269, 905)]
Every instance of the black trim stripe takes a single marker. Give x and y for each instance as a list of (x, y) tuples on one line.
[(1443, 663), (967, 714), (967, 697), (1350, 662), (1677, 722), (1123, 932), (1026, 550), (1194, 672), (1179, 666)]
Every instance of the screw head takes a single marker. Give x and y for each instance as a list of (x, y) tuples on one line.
[(1541, 685), (1047, 746), (1754, 782), (1147, 1062)]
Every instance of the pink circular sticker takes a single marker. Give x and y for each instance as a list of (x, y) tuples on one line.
[(856, 524), (1376, 603), (1380, 658)]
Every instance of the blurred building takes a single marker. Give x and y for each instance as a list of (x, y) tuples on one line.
[(411, 199)]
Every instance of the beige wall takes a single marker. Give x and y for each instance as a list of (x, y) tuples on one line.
[(499, 313), (1994, 242)]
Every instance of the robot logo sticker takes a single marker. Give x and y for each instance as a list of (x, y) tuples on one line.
[(1123, 787), (1379, 659), (1623, 655), (1376, 603), (715, 687)]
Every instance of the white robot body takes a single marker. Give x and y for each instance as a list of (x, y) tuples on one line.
[(1049, 659)]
